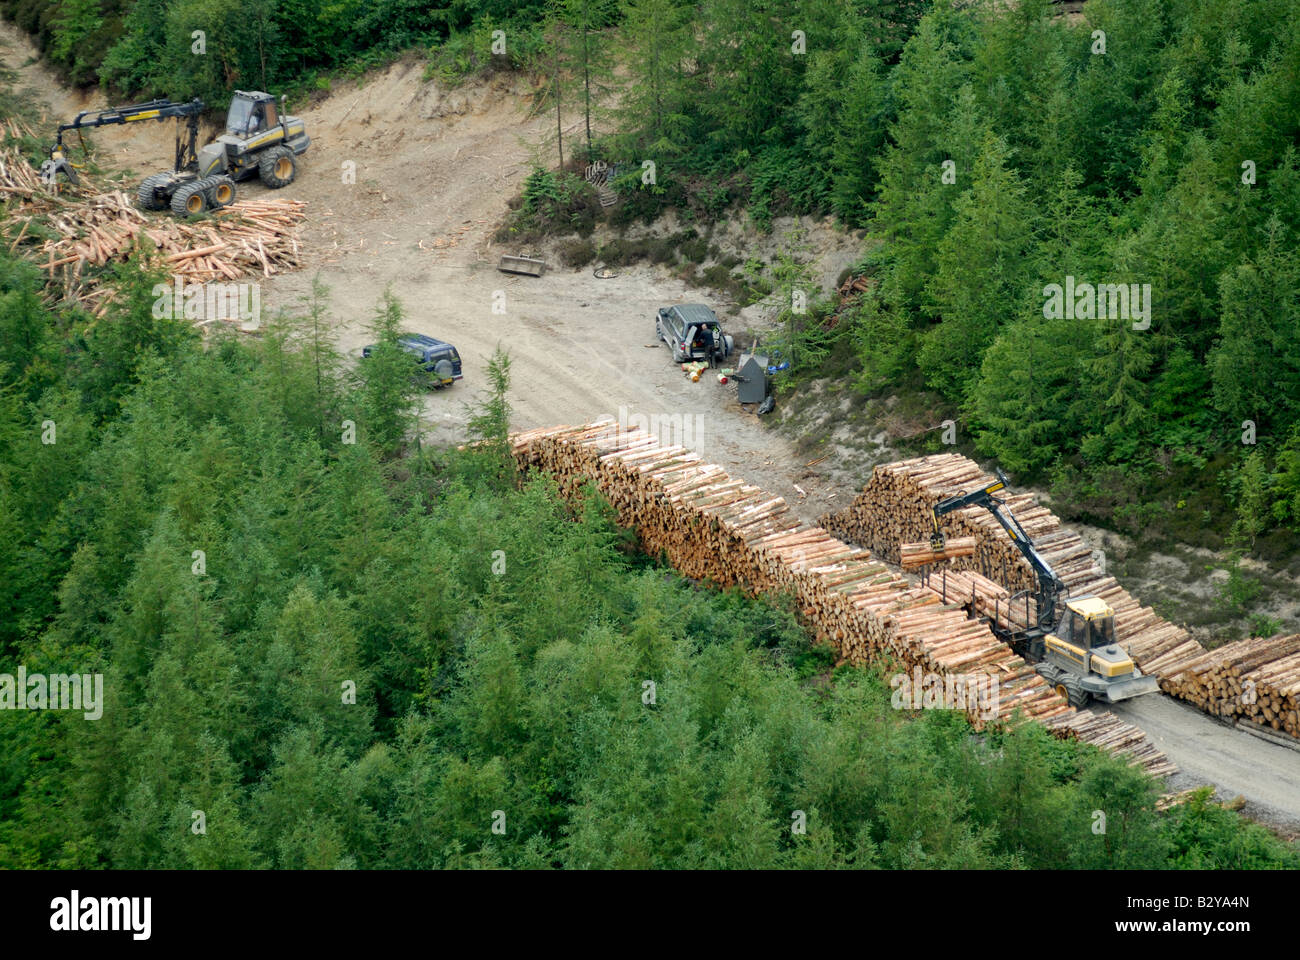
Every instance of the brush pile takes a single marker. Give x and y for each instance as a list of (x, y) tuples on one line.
[(68, 229)]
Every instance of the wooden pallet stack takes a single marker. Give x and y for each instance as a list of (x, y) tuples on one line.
[(714, 527), (1256, 679), (897, 505)]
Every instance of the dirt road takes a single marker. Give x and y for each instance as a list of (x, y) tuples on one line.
[(407, 184), (1238, 763)]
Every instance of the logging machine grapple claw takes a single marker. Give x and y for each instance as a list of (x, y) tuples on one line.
[(1072, 639), (58, 166)]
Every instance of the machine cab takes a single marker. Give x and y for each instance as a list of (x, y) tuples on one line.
[(251, 113), (1085, 639), (1088, 622)]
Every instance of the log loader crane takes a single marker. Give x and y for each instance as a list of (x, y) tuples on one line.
[(259, 140), (1072, 639)]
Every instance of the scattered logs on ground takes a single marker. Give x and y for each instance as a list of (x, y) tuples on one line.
[(1167, 801), (1256, 679), (923, 553), (854, 285), (897, 504), (21, 186), (19, 179), (712, 526), (850, 291), (250, 238)]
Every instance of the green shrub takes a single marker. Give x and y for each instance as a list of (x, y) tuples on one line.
[(691, 246), (554, 203), (577, 253)]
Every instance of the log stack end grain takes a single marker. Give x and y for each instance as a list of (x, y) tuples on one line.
[(714, 527), (1256, 679)]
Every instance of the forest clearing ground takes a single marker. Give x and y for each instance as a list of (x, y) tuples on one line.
[(433, 171)]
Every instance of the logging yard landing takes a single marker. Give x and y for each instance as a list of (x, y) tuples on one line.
[(434, 170)]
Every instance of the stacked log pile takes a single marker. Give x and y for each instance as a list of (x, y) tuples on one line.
[(982, 595), (712, 526), (1107, 731), (1257, 679), (897, 504)]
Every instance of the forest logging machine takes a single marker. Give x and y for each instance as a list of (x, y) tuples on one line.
[(1071, 639), (260, 139)]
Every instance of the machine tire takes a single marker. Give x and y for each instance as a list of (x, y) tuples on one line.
[(190, 199), (145, 197), (222, 192), (1068, 687), (277, 167)]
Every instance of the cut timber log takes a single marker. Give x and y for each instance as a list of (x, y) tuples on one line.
[(717, 528), (913, 555)]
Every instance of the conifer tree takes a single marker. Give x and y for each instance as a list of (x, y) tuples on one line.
[(982, 271), (654, 104)]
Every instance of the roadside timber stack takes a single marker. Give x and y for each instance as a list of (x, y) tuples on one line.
[(1256, 679), (715, 527), (897, 504)]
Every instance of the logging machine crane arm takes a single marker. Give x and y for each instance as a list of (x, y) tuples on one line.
[(1050, 587), (260, 140), (1078, 654), (160, 110)]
